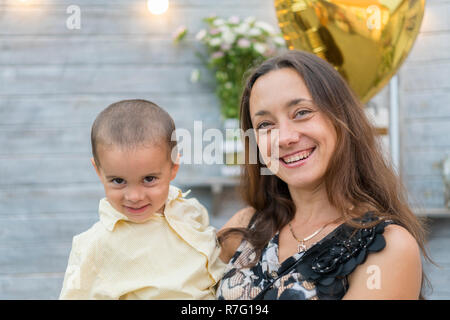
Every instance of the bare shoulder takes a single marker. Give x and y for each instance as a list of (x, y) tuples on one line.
[(392, 273), (240, 219), (401, 241), (230, 244)]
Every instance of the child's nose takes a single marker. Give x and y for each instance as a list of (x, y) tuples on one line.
[(134, 194)]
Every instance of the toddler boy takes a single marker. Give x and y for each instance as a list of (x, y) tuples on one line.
[(151, 242)]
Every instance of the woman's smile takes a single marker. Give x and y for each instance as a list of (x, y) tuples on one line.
[(297, 158)]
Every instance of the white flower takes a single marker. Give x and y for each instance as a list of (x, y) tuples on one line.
[(200, 35), (279, 41), (228, 36), (225, 46), (255, 32), (242, 28), (250, 20), (265, 26), (228, 85), (218, 22), (214, 31), (234, 20), (260, 47), (243, 43), (179, 33), (215, 42), (195, 75), (217, 55)]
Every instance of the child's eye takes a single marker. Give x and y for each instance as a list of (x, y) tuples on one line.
[(118, 181), (149, 179)]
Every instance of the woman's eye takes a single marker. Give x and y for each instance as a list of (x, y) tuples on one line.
[(149, 179), (301, 113), (118, 181), (263, 125)]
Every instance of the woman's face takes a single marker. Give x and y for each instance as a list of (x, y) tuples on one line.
[(295, 138)]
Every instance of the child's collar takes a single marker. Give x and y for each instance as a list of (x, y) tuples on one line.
[(109, 216), (175, 193)]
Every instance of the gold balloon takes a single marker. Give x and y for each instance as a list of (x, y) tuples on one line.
[(365, 40)]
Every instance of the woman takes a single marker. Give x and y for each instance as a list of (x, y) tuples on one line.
[(332, 222)]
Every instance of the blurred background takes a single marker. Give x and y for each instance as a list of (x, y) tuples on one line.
[(63, 61)]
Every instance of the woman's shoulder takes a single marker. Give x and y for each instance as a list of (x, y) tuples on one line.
[(231, 242), (353, 253), (394, 273), (240, 219), (365, 262)]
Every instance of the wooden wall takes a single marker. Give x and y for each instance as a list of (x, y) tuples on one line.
[(54, 81), (425, 108)]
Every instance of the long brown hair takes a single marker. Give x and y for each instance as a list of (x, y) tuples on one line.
[(358, 175)]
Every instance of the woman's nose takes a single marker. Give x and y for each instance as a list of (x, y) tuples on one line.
[(287, 134)]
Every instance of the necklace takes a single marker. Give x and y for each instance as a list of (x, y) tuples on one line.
[(301, 243)]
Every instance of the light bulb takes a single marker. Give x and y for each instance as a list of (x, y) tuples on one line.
[(158, 6)]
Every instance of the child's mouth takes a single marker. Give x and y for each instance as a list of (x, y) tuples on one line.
[(137, 210)]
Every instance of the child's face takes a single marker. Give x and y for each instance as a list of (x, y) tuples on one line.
[(136, 181)]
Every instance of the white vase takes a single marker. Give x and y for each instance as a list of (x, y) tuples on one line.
[(233, 148)]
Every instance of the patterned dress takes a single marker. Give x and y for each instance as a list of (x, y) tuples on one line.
[(319, 273)]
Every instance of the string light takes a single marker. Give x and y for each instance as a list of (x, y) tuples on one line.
[(158, 6)]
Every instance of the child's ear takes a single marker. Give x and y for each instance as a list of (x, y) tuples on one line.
[(96, 169), (175, 167)]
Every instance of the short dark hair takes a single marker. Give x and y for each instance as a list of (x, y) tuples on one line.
[(131, 123)]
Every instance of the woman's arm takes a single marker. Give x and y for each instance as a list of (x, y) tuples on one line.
[(394, 273), (232, 242)]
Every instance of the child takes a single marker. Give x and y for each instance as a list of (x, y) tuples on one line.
[(151, 242)]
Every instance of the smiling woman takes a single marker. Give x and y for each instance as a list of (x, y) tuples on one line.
[(332, 208), (306, 137)]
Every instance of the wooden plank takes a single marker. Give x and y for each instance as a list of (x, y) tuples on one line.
[(91, 49), (66, 111), (104, 79), (41, 286), (430, 47), (42, 230), (18, 142), (436, 16), (59, 199), (440, 229), (34, 259), (67, 199), (45, 140), (439, 250), (40, 170), (426, 134), (425, 191), (423, 162), (77, 168), (425, 76), (177, 3), (439, 278), (425, 105), (132, 19)]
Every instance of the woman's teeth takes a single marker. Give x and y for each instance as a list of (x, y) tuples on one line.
[(299, 156)]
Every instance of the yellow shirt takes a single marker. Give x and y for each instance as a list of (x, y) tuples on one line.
[(170, 256)]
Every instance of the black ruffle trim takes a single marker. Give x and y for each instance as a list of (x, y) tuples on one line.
[(328, 263)]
